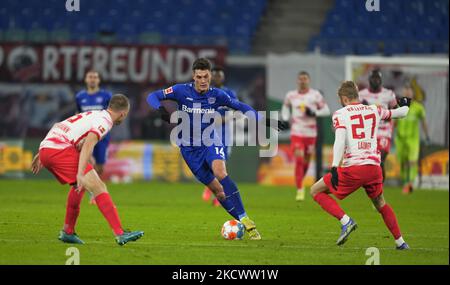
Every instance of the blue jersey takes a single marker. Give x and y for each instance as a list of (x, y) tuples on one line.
[(200, 104), (90, 102), (226, 128)]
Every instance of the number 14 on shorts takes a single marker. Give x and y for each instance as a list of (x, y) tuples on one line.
[(219, 151)]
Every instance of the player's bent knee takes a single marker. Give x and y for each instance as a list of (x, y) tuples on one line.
[(314, 190), (379, 202), (220, 175), (318, 187)]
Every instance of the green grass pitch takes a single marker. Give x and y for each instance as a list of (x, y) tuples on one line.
[(182, 229)]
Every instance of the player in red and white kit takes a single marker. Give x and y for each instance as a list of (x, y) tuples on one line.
[(377, 95), (355, 144), (302, 106), (66, 151)]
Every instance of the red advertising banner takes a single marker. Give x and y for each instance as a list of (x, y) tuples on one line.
[(146, 64)]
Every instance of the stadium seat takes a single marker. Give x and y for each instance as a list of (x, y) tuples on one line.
[(366, 47), (391, 47), (419, 47), (341, 47), (440, 47), (145, 21), (425, 20)]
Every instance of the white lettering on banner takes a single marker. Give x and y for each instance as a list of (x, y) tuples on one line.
[(159, 65), (68, 53), (50, 59), (134, 74), (121, 64), (182, 55), (117, 64), (100, 61), (83, 61), (207, 53)]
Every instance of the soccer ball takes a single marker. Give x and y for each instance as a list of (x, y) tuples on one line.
[(233, 230)]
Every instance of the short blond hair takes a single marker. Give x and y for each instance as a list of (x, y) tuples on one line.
[(119, 102), (348, 89)]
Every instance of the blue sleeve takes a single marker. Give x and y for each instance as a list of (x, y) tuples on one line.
[(226, 100), (232, 94), (154, 98), (109, 98), (77, 101)]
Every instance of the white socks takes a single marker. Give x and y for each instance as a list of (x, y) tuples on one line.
[(399, 241), (345, 219)]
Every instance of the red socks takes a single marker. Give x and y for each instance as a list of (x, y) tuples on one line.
[(109, 211), (390, 220), (72, 209), (332, 207), (329, 205), (299, 172)]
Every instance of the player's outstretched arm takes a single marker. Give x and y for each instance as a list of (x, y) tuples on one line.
[(400, 112), (154, 100), (244, 108), (324, 111), (397, 113), (85, 154)]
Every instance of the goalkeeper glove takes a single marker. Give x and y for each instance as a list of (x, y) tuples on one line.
[(165, 116), (404, 101), (279, 125)]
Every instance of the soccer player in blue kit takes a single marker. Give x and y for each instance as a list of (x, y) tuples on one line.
[(218, 81), (90, 99), (207, 163)]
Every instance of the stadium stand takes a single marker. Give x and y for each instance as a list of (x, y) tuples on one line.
[(422, 30), (311, 25), (191, 22)]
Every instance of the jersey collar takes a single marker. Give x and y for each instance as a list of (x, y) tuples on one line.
[(304, 92)]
